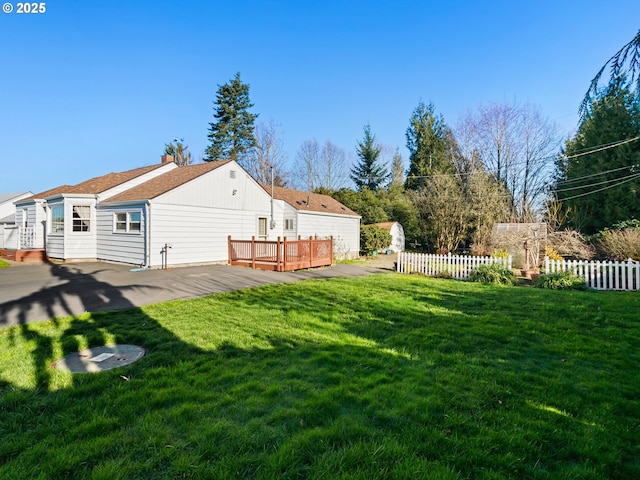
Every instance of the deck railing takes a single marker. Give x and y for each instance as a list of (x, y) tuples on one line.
[(281, 255)]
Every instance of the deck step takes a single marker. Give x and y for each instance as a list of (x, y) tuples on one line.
[(35, 255)]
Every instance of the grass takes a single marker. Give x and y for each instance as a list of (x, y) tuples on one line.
[(382, 377), (4, 263)]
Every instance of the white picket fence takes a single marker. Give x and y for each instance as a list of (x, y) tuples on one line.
[(600, 275), (458, 266)]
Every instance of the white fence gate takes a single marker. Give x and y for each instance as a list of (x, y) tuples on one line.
[(458, 266), (600, 275)]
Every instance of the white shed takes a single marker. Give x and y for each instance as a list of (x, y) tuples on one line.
[(397, 235)]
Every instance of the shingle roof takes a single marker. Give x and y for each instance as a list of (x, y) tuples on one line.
[(166, 182), (105, 182), (47, 193), (97, 184), (306, 201)]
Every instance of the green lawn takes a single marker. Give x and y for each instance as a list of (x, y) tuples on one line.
[(382, 377), (4, 264)]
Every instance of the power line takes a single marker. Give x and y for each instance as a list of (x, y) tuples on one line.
[(629, 179), (595, 184)]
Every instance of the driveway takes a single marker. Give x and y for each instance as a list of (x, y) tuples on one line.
[(30, 293)]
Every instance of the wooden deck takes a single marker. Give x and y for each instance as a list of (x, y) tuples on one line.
[(281, 255)]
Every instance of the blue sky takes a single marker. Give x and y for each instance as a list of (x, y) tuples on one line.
[(91, 87)]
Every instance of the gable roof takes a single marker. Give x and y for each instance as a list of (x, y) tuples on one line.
[(47, 193), (6, 197), (96, 185), (166, 182), (105, 182), (314, 202)]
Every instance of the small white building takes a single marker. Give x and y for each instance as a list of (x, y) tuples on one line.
[(397, 235), (169, 215)]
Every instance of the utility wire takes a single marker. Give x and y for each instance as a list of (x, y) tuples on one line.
[(595, 184), (637, 175)]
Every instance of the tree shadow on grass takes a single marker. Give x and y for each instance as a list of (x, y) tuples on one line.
[(294, 408)]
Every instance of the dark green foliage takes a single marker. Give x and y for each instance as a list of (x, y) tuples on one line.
[(566, 280), (494, 273), (231, 135), (368, 172), (428, 140), (625, 62), (383, 206), (601, 188), (373, 238)]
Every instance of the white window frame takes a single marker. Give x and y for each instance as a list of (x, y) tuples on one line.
[(80, 224), (129, 222), (289, 224), (56, 226)]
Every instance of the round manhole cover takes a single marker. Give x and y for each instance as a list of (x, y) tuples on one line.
[(98, 359)]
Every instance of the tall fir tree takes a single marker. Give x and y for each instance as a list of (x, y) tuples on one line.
[(231, 135), (396, 175), (368, 172), (428, 145), (601, 188)]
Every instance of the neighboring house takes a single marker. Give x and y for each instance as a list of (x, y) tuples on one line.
[(8, 217), (397, 235), (170, 215)]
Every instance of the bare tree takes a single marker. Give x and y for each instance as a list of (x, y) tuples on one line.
[(516, 144), (307, 165), (320, 168), (443, 212), (267, 156)]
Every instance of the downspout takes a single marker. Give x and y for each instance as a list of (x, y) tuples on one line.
[(147, 226), (272, 224)]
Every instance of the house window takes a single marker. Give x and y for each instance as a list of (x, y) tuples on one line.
[(57, 219), (288, 224), (262, 228), (127, 222), (81, 218)]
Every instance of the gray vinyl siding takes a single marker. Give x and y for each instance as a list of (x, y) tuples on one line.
[(119, 246)]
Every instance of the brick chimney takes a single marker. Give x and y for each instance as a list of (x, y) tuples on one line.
[(166, 159)]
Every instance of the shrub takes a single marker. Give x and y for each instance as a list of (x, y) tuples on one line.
[(552, 254), (566, 280), (500, 253), (373, 238), (493, 273), (618, 244)]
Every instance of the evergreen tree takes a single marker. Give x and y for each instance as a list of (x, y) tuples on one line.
[(625, 62), (232, 134), (368, 173), (396, 177), (598, 182), (427, 143), (178, 151)]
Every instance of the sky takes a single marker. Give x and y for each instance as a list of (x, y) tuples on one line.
[(92, 87)]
